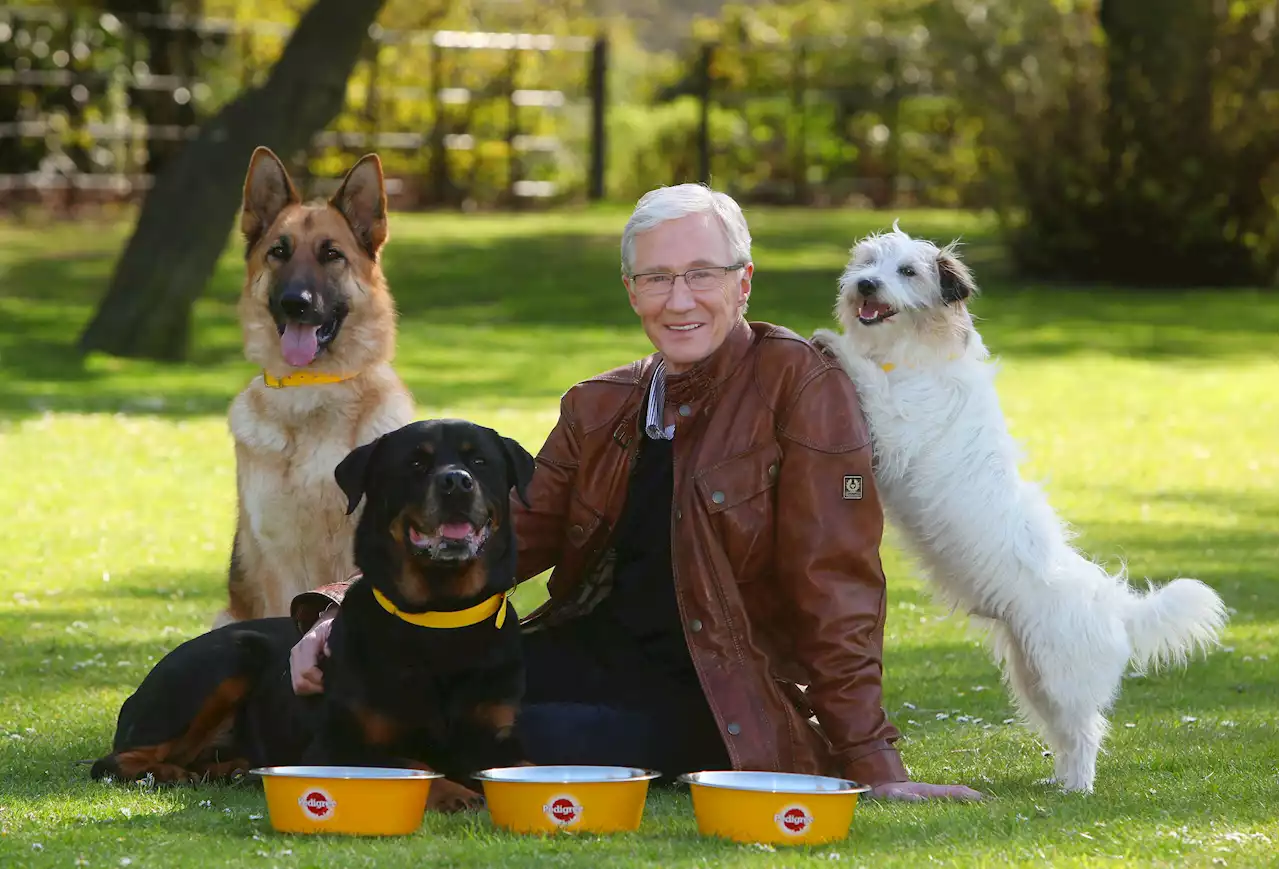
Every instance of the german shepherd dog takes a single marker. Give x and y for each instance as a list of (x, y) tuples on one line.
[(424, 667), (318, 318)]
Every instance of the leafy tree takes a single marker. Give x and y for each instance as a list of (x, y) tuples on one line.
[(1127, 140)]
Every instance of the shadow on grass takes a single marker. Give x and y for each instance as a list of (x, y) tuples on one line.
[(542, 288), (940, 675), (1220, 683), (1238, 561)]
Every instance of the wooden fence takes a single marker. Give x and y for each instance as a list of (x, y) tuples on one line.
[(92, 106), (79, 131)]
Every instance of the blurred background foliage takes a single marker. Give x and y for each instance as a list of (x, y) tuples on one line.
[(1122, 140)]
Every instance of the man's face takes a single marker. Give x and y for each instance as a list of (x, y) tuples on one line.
[(687, 324)]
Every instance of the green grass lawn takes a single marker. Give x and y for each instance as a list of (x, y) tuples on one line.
[(1150, 417)]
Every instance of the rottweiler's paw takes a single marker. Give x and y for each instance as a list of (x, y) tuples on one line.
[(450, 797), (181, 777)]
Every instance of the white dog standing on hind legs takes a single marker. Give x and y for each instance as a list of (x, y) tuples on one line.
[(1064, 629)]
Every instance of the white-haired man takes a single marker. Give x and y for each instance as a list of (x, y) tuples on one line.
[(717, 598)]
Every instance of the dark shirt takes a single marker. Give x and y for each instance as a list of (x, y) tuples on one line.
[(631, 648), (642, 605), (617, 685)]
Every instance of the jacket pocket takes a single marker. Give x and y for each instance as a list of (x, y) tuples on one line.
[(585, 524), (739, 479), (584, 531)]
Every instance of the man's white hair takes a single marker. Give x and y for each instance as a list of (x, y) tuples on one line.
[(671, 203)]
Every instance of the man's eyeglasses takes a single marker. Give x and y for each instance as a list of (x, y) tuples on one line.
[(702, 279)]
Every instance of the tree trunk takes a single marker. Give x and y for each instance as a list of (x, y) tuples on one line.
[(182, 228)]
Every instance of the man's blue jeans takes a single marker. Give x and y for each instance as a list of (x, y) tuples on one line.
[(583, 708)]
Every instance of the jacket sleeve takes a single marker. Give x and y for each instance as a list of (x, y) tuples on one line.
[(540, 527), (308, 606), (829, 529)]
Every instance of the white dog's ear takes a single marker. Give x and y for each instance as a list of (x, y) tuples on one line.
[(954, 277)]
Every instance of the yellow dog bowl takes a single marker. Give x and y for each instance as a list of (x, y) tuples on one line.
[(359, 801), (774, 808), (551, 799)]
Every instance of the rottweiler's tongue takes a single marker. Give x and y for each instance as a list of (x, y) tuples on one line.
[(456, 530), (298, 344)]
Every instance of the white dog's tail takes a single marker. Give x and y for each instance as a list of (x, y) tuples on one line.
[(1168, 623)]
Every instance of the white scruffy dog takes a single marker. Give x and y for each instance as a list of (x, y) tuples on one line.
[(947, 470)]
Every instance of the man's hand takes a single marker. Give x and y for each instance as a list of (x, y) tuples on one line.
[(916, 792), (304, 658)]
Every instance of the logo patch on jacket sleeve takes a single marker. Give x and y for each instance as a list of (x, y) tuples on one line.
[(853, 487)]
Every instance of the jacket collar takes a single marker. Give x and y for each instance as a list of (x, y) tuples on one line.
[(701, 381)]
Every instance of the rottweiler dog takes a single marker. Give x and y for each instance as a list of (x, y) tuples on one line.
[(425, 667)]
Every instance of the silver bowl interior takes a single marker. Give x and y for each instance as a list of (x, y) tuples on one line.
[(345, 772), (566, 774), (774, 782)]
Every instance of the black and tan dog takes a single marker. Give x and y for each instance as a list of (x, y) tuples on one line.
[(424, 669)]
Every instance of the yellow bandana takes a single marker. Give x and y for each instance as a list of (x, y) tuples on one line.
[(460, 619), (303, 378)]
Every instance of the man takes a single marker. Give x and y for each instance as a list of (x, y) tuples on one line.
[(714, 530)]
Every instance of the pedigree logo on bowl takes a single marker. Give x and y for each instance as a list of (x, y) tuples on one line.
[(317, 804), (794, 820), (563, 810)]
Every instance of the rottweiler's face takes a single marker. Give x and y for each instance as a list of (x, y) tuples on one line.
[(438, 502)]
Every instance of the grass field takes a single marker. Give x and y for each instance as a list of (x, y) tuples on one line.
[(1151, 418)]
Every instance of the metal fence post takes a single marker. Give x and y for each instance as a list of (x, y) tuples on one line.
[(704, 118), (800, 124), (438, 166), (514, 169), (599, 102)]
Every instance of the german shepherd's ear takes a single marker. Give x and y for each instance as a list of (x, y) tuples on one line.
[(520, 467), (954, 277), (352, 473), (362, 199), (267, 191)]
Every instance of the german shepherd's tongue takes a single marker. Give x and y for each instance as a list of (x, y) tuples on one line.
[(298, 344)]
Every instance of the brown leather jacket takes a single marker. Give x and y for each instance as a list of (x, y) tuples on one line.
[(776, 531)]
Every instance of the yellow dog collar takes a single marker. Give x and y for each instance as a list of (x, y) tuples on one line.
[(460, 619), (303, 378), (886, 367)]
